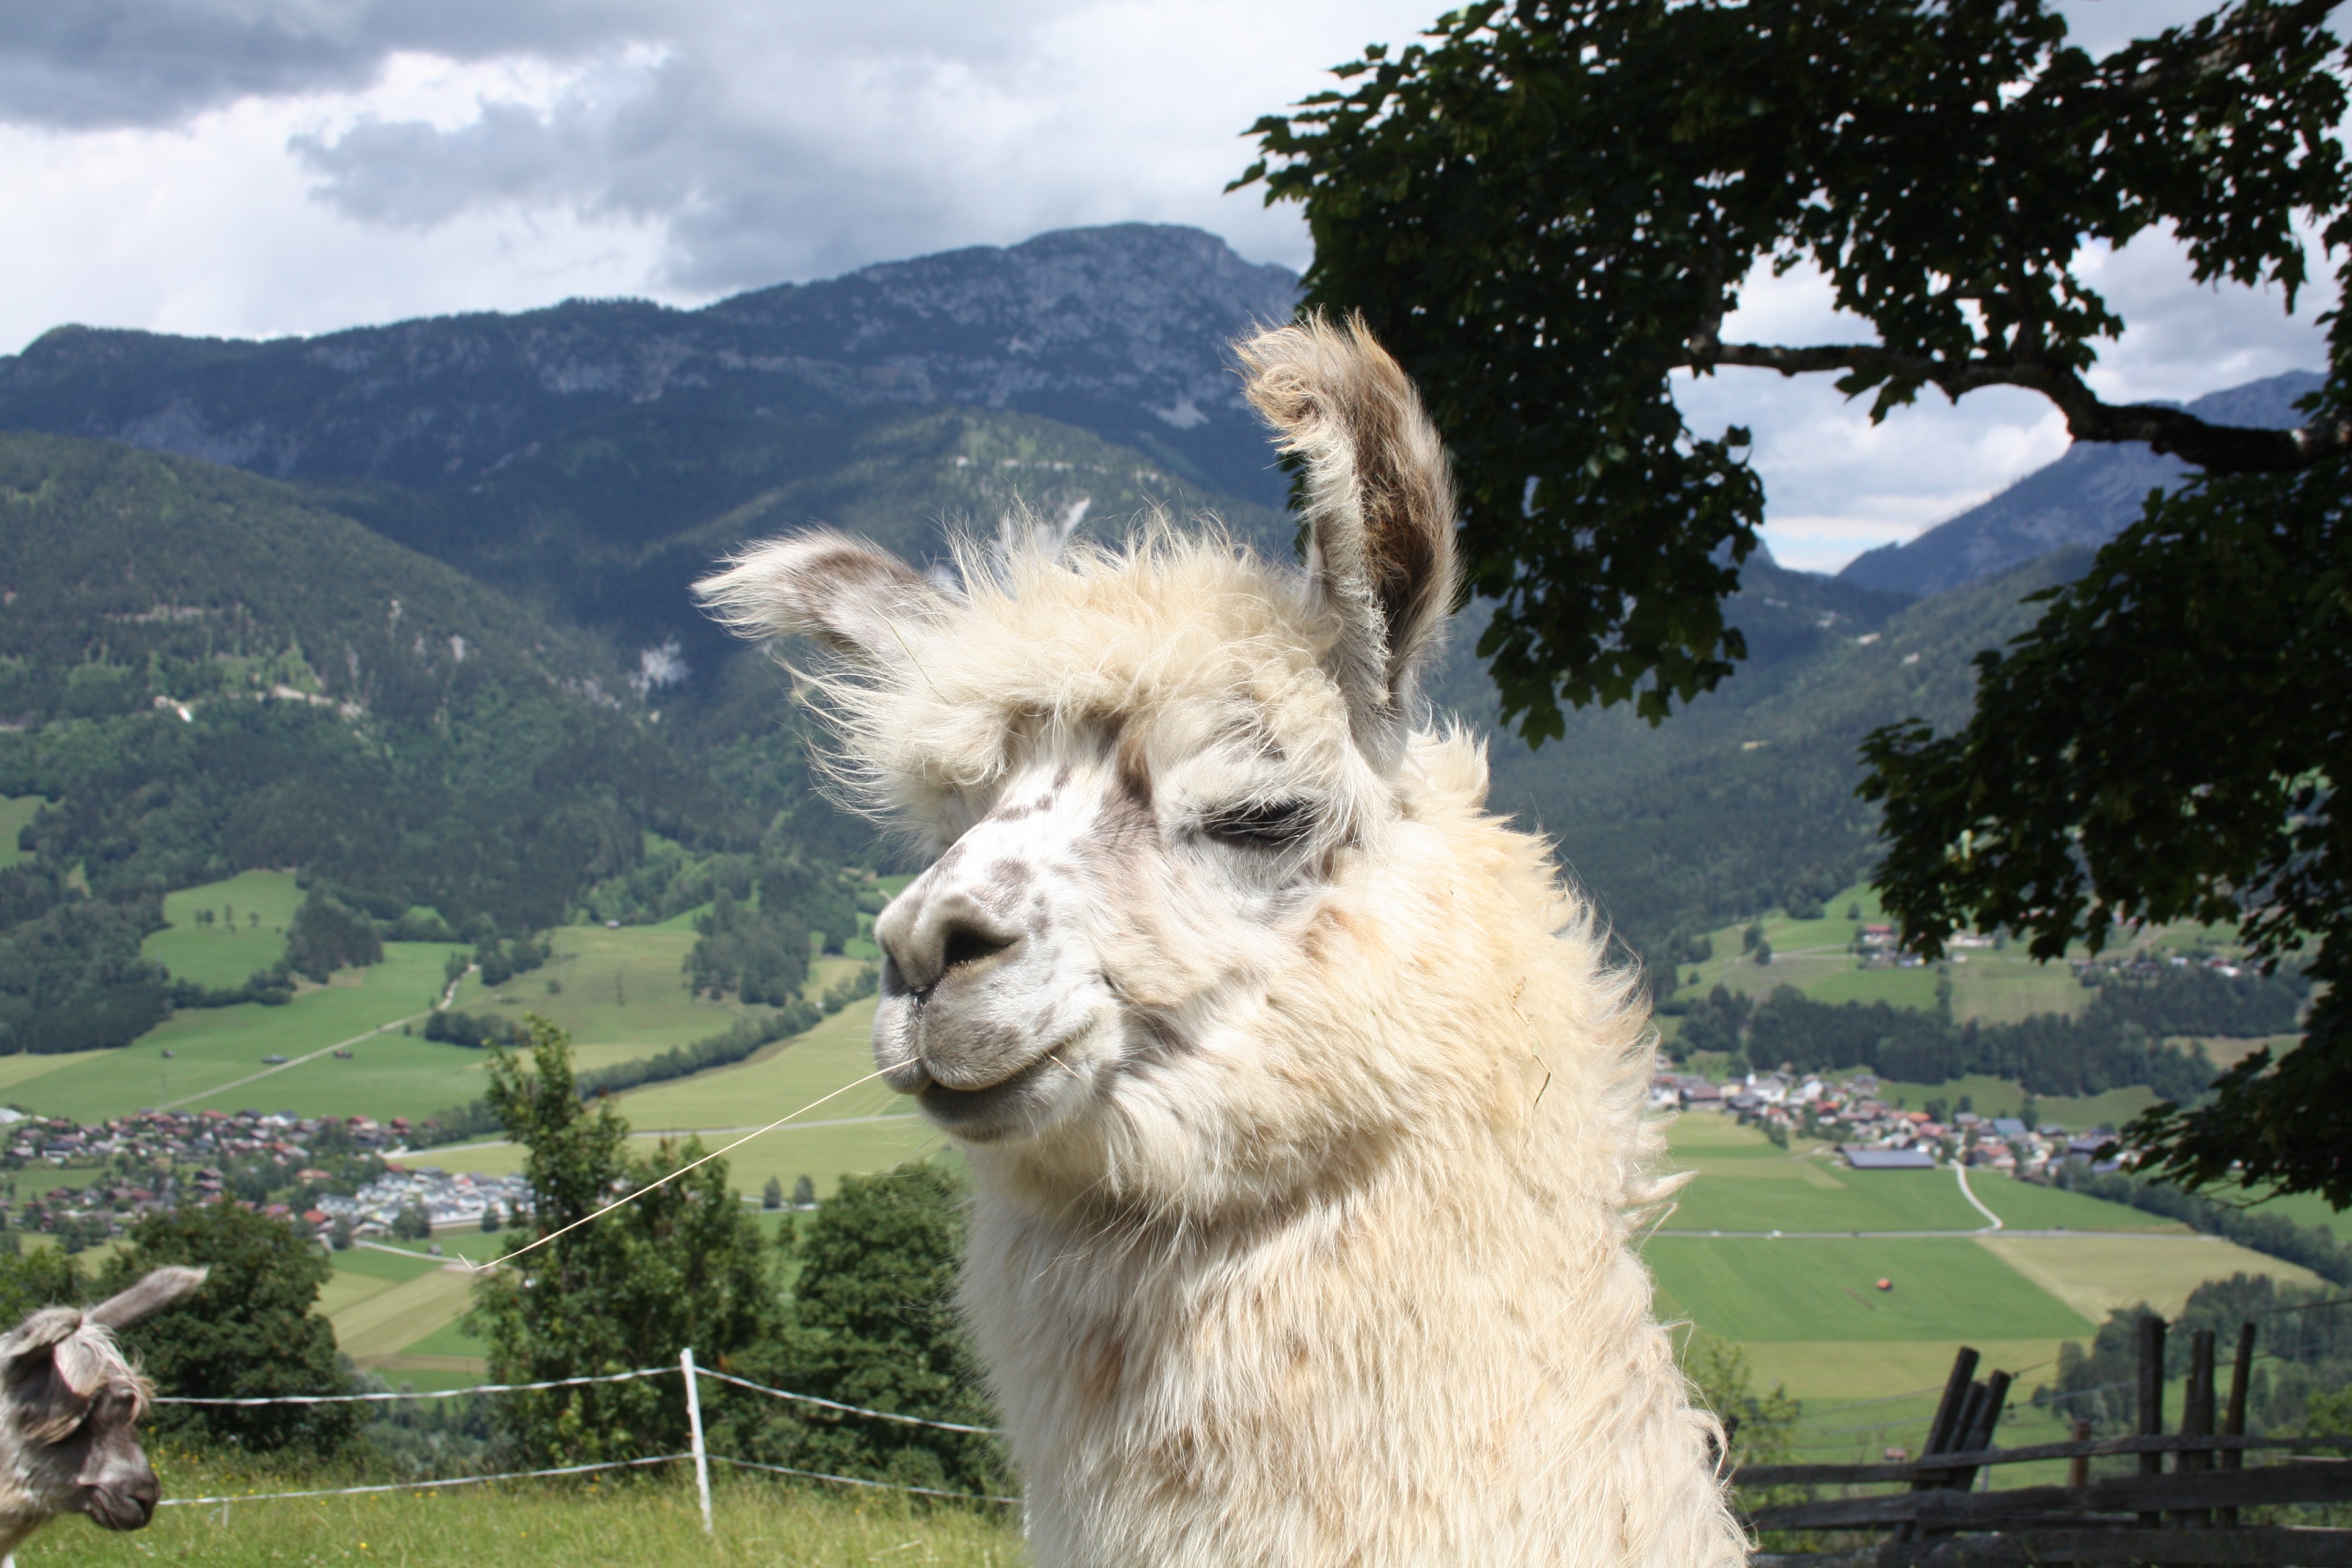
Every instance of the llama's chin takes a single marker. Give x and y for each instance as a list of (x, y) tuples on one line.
[(1016, 1107)]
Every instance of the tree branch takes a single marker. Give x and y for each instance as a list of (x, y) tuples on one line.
[(2215, 448), (2281, 30)]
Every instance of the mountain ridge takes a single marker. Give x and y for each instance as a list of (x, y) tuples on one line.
[(2083, 499), (1119, 329)]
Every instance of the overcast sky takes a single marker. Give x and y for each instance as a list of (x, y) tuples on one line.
[(257, 167)]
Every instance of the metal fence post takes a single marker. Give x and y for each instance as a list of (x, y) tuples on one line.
[(694, 1429)]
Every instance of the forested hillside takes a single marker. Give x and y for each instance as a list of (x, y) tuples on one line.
[(449, 668), (1744, 802), (203, 672)]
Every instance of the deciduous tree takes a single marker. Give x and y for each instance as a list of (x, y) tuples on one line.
[(1549, 209)]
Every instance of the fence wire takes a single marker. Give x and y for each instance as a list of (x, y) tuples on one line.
[(582, 1469)]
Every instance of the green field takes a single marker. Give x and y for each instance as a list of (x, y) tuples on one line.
[(1794, 1289), (1813, 955), (602, 1523), (2025, 1205), (621, 993), (388, 1074), (15, 812), (1811, 1193), (868, 1128), (251, 912)]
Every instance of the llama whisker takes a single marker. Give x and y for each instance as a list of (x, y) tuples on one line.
[(632, 1197)]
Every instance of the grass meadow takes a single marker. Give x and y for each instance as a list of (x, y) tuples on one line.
[(16, 812), (1996, 987), (625, 1523), (216, 1054), (251, 912), (1868, 1363), (869, 1128)]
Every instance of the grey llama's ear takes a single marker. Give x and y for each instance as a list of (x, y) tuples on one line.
[(843, 591), (1379, 505), (45, 1329), (150, 1295)]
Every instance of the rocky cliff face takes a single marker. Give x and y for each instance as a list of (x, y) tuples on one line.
[(1121, 331), (2085, 498)]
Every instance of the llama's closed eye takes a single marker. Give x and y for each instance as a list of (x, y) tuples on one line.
[(1272, 825)]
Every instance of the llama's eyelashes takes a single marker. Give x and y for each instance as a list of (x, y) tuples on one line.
[(1272, 826)]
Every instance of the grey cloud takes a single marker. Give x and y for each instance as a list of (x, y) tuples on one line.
[(765, 153), (85, 65)]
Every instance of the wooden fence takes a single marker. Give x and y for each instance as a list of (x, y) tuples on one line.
[(2187, 1515)]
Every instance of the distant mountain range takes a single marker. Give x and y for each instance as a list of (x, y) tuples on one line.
[(581, 465), (2085, 498), (1121, 331), (592, 458)]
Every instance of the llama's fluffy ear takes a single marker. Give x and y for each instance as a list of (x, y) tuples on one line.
[(152, 1294), (1379, 505), (841, 590)]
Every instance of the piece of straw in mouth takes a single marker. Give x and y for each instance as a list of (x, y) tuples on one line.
[(623, 1201)]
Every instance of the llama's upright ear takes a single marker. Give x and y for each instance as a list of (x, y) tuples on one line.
[(159, 1288), (1379, 505), (841, 590)]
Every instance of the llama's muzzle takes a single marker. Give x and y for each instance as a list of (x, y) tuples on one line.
[(125, 1504)]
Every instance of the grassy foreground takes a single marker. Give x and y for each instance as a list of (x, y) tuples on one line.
[(522, 1524)]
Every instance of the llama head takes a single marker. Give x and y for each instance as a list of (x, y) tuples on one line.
[(1166, 786), (71, 1406)]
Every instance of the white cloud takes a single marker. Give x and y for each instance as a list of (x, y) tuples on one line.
[(253, 167), (297, 165)]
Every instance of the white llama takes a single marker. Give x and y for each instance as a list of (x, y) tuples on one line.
[(69, 1405), (1303, 1110)]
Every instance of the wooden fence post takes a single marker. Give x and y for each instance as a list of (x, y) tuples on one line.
[(2234, 1421), (2197, 1420), (2078, 1468), (2151, 1398)]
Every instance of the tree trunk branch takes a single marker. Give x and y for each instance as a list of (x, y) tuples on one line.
[(2215, 448)]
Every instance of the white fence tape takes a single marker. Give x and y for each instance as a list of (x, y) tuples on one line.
[(420, 1486), (427, 1394), (851, 1409)]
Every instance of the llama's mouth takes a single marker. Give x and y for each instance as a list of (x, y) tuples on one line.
[(983, 1113), (111, 1509)]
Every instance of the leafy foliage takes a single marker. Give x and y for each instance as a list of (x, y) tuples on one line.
[(251, 1330), (2302, 1351), (873, 1307), (1550, 207), (212, 674), (2117, 1042), (683, 1265), (2166, 742), (757, 952), (71, 977), (327, 934), (35, 1278), (1762, 1427)]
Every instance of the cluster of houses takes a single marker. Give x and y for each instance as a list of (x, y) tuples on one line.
[(1872, 1134), (155, 1159), (443, 1201), (179, 1137)]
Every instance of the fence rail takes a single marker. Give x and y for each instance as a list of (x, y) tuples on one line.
[(1939, 1464), (2248, 1546), (2320, 1481)]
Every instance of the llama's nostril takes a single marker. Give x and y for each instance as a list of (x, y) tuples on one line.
[(970, 945)]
